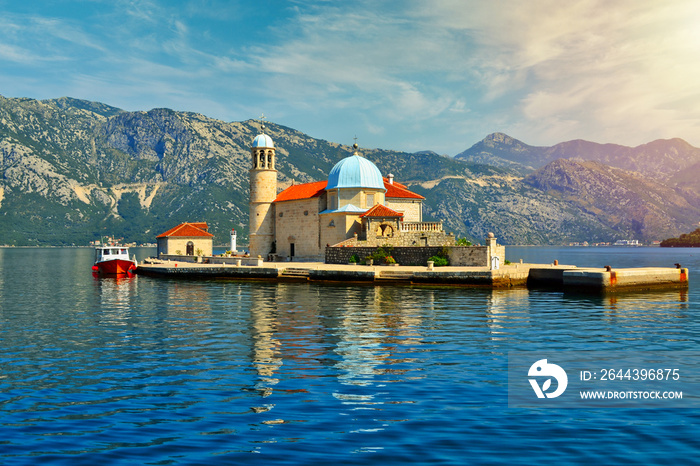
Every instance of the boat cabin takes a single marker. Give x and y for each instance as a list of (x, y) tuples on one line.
[(111, 253)]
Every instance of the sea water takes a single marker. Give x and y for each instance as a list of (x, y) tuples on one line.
[(159, 371)]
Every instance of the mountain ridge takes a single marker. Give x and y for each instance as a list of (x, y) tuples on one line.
[(661, 159), (73, 170)]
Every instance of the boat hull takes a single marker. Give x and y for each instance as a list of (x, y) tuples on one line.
[(115, 267)]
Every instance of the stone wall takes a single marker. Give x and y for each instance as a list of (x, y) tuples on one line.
[(403, 255), (410, 208), (337, 227), (469, 256), (499, 251), (406, 239), (297, 222), (462, 256)]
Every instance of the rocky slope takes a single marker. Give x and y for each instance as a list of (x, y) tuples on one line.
[(661, 160), (625, 201), (73, 170)]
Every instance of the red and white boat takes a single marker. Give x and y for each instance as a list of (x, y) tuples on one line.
[(113, 260)]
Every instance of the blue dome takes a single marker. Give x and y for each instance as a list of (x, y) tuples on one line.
[(355, 172), (263, 140)]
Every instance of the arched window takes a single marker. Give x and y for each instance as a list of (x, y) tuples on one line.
[(190, 248)]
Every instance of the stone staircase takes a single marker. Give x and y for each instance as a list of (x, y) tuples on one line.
[(294, 273), (394, 276)]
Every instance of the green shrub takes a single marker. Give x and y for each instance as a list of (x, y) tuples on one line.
[(463, 242), (389, 260), (381, 253), (439, 261), (354, 259)]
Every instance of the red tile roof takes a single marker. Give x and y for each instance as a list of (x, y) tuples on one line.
[(381, 211), (396, 183), (315, 189), (302, 191), (398, 190), (187, 229), (200, 225)]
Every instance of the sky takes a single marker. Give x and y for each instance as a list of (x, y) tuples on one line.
[(406, 75)]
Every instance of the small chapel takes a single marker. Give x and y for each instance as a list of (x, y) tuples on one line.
[(355, 206)]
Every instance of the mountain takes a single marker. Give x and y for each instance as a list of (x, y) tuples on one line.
[(73, 170), (661, 160), (625, 201), (501, 150)]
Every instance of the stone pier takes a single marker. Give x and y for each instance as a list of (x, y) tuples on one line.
[(559, 277)]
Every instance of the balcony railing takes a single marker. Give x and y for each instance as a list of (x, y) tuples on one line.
[(421, 226)]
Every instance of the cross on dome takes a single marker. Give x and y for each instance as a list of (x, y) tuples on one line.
[(262, 139)]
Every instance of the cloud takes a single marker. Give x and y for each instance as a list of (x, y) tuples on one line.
[(332, 54), (64, 31), (36, 40), (16, 54), (144, 10), (615, 70), (407, 71)]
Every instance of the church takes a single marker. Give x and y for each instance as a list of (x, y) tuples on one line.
[(355, 206)]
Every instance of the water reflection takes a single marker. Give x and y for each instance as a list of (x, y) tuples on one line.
[(116, 296), (265, 351), (2, 275), (622, 301), (659, 303), (504, 306), (361, 335)]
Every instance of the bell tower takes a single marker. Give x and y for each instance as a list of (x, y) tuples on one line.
[(263, 191)]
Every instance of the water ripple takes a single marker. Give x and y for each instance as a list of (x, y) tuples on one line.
[(171, 372)]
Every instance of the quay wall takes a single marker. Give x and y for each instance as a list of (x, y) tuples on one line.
[(207, 271), (572, 279), (643, 278), (251, 261), (566, 278)]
